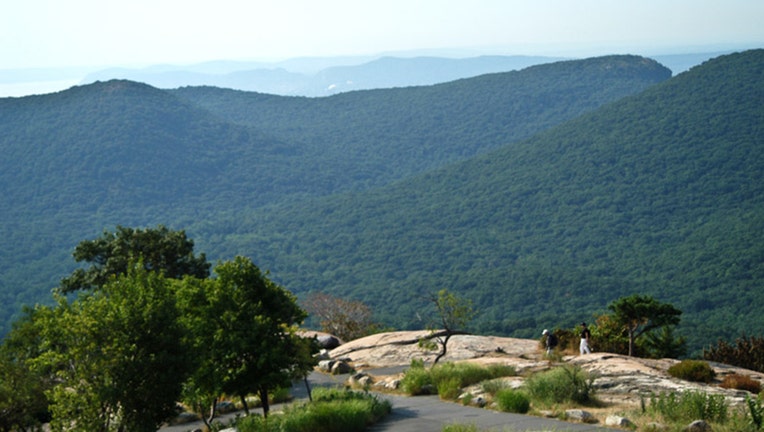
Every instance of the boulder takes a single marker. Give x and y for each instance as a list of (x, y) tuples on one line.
[(328, 342)]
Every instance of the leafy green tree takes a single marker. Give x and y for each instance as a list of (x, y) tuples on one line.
[(640, 314), (117, 354), (453, 313), (159, 249), (245, 327)]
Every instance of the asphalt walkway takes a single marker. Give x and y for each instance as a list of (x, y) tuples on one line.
[(431, 414)]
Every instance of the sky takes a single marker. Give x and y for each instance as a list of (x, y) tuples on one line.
[(56, 33), (50, 45)]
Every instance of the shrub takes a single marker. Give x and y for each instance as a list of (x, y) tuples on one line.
[(741, 382), (747, 352), (692, 370), (514, 401), (449, 378), (689, 406), (561, 384), (417, 380), (332, 410), (449, 388)]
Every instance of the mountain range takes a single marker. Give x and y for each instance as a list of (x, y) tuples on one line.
[(541, 194)]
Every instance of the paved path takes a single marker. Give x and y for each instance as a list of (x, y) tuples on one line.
[(430, 414)]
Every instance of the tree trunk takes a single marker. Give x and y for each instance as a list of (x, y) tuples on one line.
[(264, 400), (443, 348), (244, 404), (307, 387), (631, 342)]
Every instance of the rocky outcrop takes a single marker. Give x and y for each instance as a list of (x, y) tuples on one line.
[(618, 378)]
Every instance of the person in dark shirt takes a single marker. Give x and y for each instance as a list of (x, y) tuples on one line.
[(585, 336), (551, 341)]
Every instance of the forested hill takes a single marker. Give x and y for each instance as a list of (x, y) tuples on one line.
[(385, 195), (87, 159), (661, 193)]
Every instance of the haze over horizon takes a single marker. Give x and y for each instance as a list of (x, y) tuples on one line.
[(59, 42)]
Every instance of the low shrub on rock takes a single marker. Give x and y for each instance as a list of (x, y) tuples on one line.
[(692, 370)]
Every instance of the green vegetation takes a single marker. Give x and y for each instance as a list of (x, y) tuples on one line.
[(640, 314), (692, 370), (514, 401), (541, 195), (563, 384), (332, 410), (690, 405), (120, 355), (448, 379)]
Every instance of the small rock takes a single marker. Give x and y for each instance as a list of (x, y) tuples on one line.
[(394, 384), (325, 365), (580, 415), (699, 426), (614, 420), (341, 368)]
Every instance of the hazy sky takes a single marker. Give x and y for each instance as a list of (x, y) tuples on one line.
[(53, 33)]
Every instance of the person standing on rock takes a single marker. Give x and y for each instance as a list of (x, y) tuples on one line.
[(551, 341), (585, 336)]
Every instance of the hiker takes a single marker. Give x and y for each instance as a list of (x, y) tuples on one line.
[(551, 341), (585, 336)]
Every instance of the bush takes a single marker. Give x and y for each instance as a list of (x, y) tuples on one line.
[(692, 370), (741, 382), (449, 378), (332, 410), (514, 401), (562, 384), (689, 406), (747, 352), (417, 380), (449, 388)]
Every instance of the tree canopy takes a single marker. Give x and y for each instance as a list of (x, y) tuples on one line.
[(641, 314), (158, 249)]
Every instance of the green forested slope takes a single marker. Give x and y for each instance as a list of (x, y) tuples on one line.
[(368, 138), (113, 153), (660, 193)]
